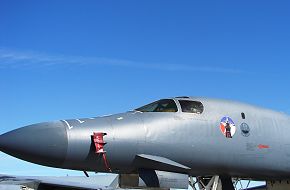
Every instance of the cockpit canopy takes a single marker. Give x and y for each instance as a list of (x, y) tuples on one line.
[(190, 106), (164, 105), (169, 105)]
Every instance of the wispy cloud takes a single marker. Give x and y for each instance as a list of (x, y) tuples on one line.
[(20, 59)]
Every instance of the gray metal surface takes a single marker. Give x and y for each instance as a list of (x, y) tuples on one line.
[(43, 143), (260, 149), (100, 182)]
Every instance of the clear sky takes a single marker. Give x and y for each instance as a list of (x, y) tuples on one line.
[(73, 59)]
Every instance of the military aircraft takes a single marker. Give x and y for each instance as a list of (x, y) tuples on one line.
[(212, 139), (97, 182)]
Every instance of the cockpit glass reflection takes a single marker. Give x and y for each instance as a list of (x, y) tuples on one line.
[(164, 105), (191, 106)]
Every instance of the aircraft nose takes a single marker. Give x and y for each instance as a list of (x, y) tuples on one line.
[(43, 143)]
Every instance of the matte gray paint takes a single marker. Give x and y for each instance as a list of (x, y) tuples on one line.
[(44, 143), (99, 182), (193, 140)]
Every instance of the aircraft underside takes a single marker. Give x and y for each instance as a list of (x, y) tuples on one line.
[(167, 180), (220, 183)]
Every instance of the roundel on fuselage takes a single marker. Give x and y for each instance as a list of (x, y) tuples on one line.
[(227, 127)]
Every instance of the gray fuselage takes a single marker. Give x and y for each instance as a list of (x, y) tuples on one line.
[(259, 146)]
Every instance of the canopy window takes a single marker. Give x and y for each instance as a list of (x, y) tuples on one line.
[(191, 106), (164, 105)]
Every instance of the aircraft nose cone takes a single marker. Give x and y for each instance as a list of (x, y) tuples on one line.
[(43, 143)]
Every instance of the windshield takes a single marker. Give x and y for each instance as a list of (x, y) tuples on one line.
[(164, 105)]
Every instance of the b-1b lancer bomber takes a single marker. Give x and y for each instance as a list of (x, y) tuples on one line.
[(165, 142)]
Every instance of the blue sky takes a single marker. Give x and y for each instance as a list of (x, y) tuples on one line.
[(73, 59)]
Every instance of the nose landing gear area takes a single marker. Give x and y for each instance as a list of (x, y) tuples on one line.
[(228, 183), (212, 183)]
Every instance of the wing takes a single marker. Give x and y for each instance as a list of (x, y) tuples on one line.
[(62, 183)]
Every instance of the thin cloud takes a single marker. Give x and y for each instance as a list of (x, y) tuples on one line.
[(20, 59)]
